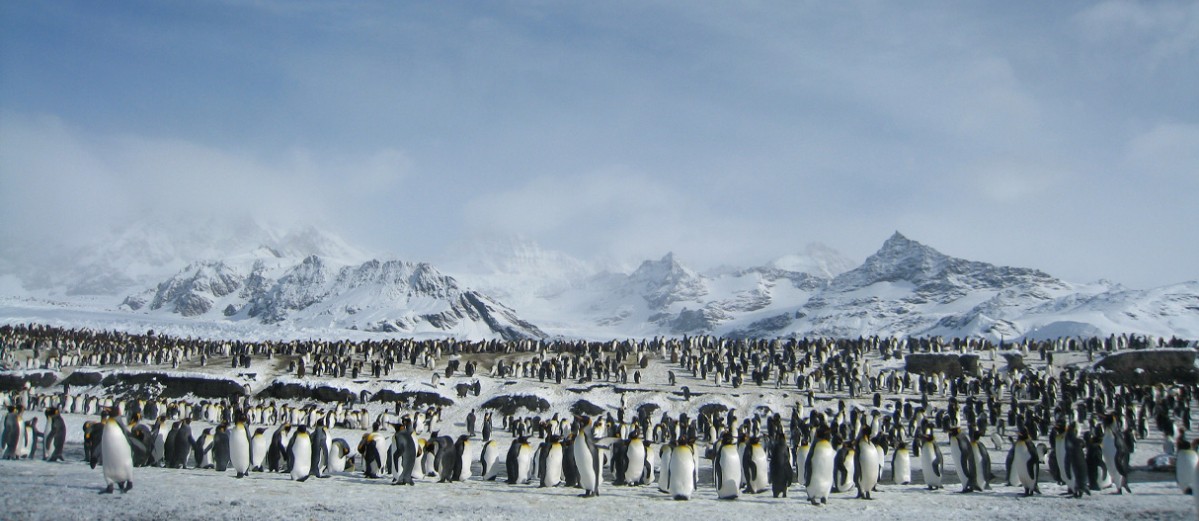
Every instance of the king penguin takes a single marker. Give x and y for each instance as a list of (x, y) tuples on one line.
[(683, 470), (664, 455), (1186, 460), (299, 453), (1026, 462), (116, 455), (727, 468), (756, 466), (635, 454), (866, 467), (587, 458), (932, 465), (258, 449), (818, 469), (550, 464), (488, 457), (901, 463), (1076, 462), (781, 472), (239, 449)]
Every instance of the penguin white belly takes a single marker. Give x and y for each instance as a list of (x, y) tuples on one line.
[(117, 456), (901, 467), (959, 465), (821, 482), (337, 460), (729, 486), (553, 466), (1185, 469), (465, 459), (760, 481), (24, 439), (868, 461), (1109, 456), (524, 463), (1020, 465), (682, 472), (491, 453), (585, 463), (664, 474), (636, 457), (239, 451), (801, 459), (301, 457), (843, 476), (980, 471), (932, 475)]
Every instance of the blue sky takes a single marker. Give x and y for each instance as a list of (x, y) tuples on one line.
[(1057, 135)]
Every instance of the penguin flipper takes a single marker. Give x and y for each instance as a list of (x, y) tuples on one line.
[(938, 463)]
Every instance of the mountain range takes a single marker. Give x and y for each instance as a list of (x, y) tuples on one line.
[(514, 289)]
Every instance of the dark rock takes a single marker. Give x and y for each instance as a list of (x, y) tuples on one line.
[(83, 379), (509, 403), (647, 409), (174, 386), (1015, 361), (586, 408), (414, 399), (713, 408), (296, 391), (1149, 367), (950, 364), (16, 381)]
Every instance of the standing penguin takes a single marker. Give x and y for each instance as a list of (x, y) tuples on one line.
[(550, 463), (818, 469), (202, 449), (781, 472), (183, 444), (1076, 462), (963, 458), (56, 438), (11, 437), (404, 453), (320, 449), (117, 456), (276, 454), (932, 465), (683, 469), (727, 468), (801, 455), (339, 457), (239, 449), (1026, 462), (866, 467), (299, 453), (664, 455), (634, 458), (844, 467), (901, 463), (587, 457), (754, 461), (372, 458), (1116, 451), (512, 461), (488, 457), (220, 448), (463, 455), (524, 460), (982, 463), (157, 443), (259, 446), (1184, 469)]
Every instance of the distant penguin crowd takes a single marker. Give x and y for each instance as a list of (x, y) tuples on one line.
[(854, 431)]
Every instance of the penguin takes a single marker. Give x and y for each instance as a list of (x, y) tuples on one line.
[(634, 457), (372, 458), (963, 458), (866, 466), (92, 431), (1075, 462), (221, 451), (299, 453), (202, 449), (550, 463), (683, 470), (158, 443), (901, 463), (11, 436), (664, 455), (512, 461), (171, 459), (320, 449), (1186, 459), (756, 468), (1058, 465), (982, 463), (570, 471), (276, 454), (844, 467), (258, 449), (1098, 477), (727, 468), (339, 457), (239, 449), (781, 473), (463, 455), (1026, 462), (488, 457), (117, 456), (587, 457), (524, 460), (818, 469), (56, 438), (932, 465), (1116, 453), (801, 456)]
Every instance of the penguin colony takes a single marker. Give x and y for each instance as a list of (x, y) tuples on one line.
[(1079, 428)]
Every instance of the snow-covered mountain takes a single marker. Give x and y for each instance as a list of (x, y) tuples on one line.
[(379, 296)]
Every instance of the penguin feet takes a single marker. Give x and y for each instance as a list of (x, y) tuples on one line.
[(108, 490), (128, 485)]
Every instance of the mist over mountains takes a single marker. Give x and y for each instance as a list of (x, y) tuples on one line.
[(306, 279)]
